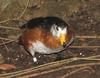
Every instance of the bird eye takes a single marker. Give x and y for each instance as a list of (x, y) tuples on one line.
[(56, 28)]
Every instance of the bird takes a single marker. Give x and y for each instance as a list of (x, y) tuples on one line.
[(46, 35)]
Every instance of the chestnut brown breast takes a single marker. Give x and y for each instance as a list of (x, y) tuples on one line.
[(32, 35)]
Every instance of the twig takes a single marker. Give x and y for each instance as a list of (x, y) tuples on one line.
[(73, 72), (12, 28), (4, 7), (84, 47), (5, 46), (88, 37), (8, 42), (96, 56), (92, 59), (24, 10), (5, 21), (2, 38)]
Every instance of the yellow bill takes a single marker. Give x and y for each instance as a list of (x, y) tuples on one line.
[(62, 39)]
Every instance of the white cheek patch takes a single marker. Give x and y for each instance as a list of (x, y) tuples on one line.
[(62, 31), (57, 32)]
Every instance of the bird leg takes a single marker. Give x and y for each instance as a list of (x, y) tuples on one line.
[(33, 54)]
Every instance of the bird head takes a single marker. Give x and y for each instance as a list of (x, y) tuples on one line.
[(60, 32)]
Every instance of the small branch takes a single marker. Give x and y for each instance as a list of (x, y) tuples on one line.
[(92, 59), (77, 70), (5, 46), (5, 38), (96, 56), (24, 10), (97, 37), (84, 47), (11, 28), (5, 21), (4, 7), (8, 42)]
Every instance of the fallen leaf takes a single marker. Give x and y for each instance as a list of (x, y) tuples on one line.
[(7, 66)]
